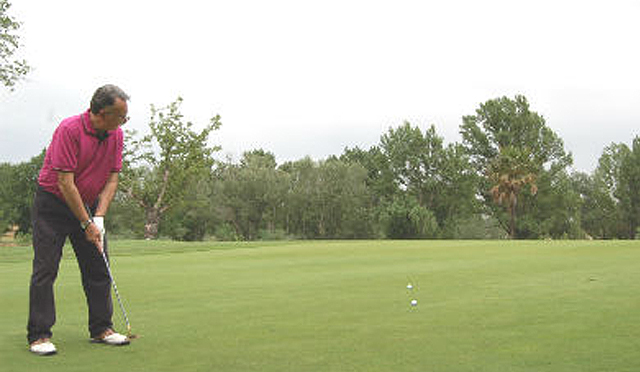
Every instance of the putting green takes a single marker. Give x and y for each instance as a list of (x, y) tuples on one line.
[(345, 306)]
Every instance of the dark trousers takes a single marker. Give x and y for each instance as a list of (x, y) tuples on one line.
[(53, 222)]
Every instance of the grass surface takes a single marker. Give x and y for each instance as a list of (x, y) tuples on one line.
[(343, 306)]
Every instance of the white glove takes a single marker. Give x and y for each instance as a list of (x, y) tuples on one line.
[(99, 222)]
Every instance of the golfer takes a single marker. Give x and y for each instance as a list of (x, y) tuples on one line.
[(80, 169)]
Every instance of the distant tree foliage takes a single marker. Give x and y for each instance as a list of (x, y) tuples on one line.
[(508, 178), (439, 178), (511, 149), (611, 196), (160, 166), (11, 69), (17, 188), (251, 194)]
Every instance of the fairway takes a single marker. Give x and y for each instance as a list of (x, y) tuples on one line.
[(345, 306)]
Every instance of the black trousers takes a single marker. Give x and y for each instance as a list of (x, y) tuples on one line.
[(53, 222)]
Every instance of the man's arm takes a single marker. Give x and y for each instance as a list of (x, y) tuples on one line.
[(67, 186), (107, 194)]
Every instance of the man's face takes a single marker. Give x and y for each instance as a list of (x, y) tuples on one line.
[(116, 115)]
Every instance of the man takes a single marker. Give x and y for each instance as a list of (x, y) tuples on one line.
[(80, 172)]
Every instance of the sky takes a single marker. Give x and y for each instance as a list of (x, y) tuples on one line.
[(309, 78)]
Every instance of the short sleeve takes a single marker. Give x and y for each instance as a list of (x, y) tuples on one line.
[(65, 149)]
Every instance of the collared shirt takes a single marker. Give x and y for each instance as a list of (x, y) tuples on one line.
[(76, 147)]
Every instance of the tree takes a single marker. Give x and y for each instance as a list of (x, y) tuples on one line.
[(510, 173), (597, 209), (554, 210), (630, 188), (11, 70), (126, 218), (413, 159), (194, 216), (438, 177), (301, 213), (619, 173), (457, 201), (342, 200), (327, 199), (16, 192), (511, 147), (159, 166), (380, 180), (252, 194), (404, 218)]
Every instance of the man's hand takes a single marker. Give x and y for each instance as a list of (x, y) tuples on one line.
[(99, 221), (94, 235)]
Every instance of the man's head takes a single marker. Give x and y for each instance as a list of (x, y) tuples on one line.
[(109, 107)]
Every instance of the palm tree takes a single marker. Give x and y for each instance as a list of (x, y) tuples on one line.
[(511, 171)]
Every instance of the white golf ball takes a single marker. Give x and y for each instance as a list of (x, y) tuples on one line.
[(414, 302), (409, 286)]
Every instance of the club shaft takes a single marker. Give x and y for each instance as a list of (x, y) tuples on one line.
[(115, 290), (113, 282)]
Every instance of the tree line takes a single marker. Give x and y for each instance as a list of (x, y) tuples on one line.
[(509, 177)]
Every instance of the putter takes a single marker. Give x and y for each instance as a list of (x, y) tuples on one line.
[(115, 287)]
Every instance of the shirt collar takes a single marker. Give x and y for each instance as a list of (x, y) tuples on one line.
[(89, 129)]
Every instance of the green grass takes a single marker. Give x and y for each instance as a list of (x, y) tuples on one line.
[(343, 306)]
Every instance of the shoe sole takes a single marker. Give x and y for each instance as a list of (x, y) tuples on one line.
[(94, 341), (49, 353)]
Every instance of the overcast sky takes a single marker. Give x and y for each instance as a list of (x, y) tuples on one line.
[(304, 78)]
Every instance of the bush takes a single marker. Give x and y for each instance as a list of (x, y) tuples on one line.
[(226, 232), (277, 234), (404, 218), (479, 227)]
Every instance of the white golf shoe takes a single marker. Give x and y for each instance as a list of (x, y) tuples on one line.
[(112, 338), (43, 347)]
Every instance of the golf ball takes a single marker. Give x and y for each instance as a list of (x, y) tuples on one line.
[(409, 286), (414, 302)]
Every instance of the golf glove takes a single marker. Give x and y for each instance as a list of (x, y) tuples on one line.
[(99, 222)]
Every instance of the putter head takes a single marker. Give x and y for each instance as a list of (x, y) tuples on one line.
[(129, 335)]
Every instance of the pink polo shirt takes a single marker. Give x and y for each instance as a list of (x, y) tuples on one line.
[(76, 148)]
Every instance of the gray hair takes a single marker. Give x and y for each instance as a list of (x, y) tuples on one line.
[(105, 96)]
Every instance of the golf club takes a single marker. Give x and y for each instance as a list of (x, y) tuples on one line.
[(115, 289), (113, 283)]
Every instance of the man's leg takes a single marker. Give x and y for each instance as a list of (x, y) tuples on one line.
[(96, 283), (48, 239)]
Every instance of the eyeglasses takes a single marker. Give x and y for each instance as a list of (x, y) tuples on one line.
[(123, 118)]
